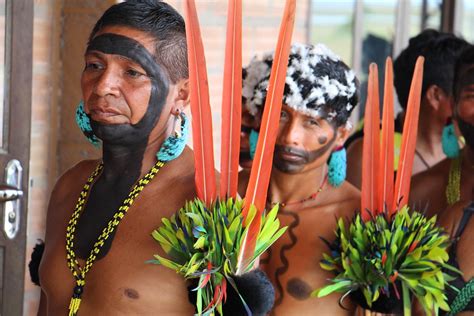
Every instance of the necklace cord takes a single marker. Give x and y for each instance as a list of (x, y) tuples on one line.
[(78, 272)]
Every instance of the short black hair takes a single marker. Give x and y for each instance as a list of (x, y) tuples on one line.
[(466, 59), (440, 51), (161, 21)]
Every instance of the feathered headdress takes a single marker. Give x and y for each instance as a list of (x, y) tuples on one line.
[(386, 246), (213, 238)]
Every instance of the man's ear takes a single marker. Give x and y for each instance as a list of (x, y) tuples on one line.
[(343, 132), (436, 97), (182, 93)]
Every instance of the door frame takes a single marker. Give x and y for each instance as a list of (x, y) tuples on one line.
[(17, 117)]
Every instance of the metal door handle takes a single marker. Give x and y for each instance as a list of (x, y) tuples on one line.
[(10, 194)]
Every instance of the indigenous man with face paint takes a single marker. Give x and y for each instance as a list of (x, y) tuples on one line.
[(135, 89), (458, 218), (440, 51), (320, 93)]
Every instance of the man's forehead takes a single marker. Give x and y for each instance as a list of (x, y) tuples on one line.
[(143, 38)]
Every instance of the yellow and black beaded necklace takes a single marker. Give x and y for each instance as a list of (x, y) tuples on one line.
[(79, 272)]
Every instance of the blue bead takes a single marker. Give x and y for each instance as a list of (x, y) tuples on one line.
[(253, 140), (449, 141), (337, 167), (173, 146), (84, 123)]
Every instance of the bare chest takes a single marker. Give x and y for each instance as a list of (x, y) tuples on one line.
[(121, 282)]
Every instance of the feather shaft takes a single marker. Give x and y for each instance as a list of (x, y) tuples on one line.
[(410, 130), (386, 173), (200, 108), (256, 193), (371, 144), (231, 102)]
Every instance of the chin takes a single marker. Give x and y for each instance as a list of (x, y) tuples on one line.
[(288, 168)]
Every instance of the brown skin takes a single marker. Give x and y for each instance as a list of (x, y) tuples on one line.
[(122, 283), (450, 220), (428, 188), (435, 110), (316, 217)]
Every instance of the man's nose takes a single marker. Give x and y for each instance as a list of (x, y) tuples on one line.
[(292, 133), (107, 83)]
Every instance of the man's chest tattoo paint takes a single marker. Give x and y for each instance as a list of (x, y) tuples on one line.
[(285, 264)]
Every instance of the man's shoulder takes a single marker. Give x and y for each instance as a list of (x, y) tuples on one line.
[(346, 194), (77, 174)]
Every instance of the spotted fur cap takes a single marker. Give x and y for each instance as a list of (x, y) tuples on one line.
[(318, 83)]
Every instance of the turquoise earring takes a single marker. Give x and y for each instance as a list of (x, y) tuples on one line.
[(174, 145), (84, 123), (337, 167), (449, 140), (253, 139)]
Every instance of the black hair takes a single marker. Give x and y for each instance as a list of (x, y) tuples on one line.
[(161, 21), (440, 51), (466, 59)]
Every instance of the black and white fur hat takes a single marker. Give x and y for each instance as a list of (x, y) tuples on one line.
[(318, 83)]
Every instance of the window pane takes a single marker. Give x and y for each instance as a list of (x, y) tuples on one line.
[(466, 22), (425, 14), (331, 24)]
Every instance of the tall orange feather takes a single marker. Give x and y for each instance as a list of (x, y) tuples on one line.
[(256, 193), (231, 102), (410, 130), (386, 179), (200, 108), (371, 144)]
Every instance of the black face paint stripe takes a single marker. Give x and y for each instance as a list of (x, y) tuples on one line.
[(116, 44), (308, 156)]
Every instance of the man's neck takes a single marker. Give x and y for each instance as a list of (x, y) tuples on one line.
[(428, 142), (288, 188)]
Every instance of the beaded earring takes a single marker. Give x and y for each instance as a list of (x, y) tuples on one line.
[(449, 140), (337, 167), (253, 139), (174, 145), (84, 123)]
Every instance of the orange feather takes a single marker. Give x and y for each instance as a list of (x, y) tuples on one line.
[(231, 102), (200, 108), (410, 130), (371, 144), (385, 182), (256, 193)]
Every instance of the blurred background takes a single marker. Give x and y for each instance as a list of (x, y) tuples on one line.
[(41, 58)]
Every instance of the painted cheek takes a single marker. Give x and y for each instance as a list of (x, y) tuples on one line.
[(322, 139)]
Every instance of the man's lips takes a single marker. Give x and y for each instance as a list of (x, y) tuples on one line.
[(290, 156), (103, 115)]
